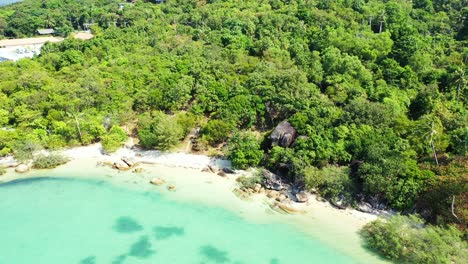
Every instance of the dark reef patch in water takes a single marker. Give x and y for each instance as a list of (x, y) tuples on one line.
[(274, 261), (119, 259), (89, 260), (27, 181), (126, 224), (214, 254), (165, 232), (141, 248)]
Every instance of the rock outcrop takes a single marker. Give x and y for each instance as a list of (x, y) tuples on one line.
[(365, 207), (272, 181), (157, 181), (283, 135), (22, 168), (302, 197), (228, 170)]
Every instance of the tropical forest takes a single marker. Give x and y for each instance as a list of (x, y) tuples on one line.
[(359, 101)]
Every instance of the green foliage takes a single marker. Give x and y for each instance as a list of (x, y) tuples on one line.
[(186, 121), (49, 161), (405, 239), (216, 131), (249, 182), (114, 139), (24, 150), (244, 150), (378, 86), (160, 131), (332, 181)]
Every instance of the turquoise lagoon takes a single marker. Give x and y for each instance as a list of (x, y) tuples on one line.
[(87, 220)]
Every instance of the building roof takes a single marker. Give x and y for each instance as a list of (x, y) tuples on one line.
[(83, 35), (46, 31), (28, 41)]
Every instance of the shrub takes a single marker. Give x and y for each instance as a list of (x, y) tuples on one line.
[(186, 122), (24, 150), (161, 132), (249, 182), (244, 150), (2, 170), (332, 181), (215, 131), (49, 162), (114, 140), (405, 239)]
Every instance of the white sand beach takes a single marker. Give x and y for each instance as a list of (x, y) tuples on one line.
[(338, 228)]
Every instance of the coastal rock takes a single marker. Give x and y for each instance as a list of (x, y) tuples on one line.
[(228, 170), (272, 181), (365, 207), (340, 204), (281, 198), (222, 174), (302, 197), (22, 168), (241, 194), (212, 169), (257, 188), (283, 135), (289, 209), (272, 194), (206, 169), (171, 188), (128, 161), (157, 181), (120, 166), (138, 170)]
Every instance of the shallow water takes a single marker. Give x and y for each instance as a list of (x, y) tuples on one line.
[(70, 220)]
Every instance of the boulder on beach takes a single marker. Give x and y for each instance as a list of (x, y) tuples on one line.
[(302, 197), (283, 135), (340, 204), (222, 174), (365, 207), (22, 168), (228, 170), (272, 181), (272, 194), (120, 166), (281, 197), (129, 161), (257, 188), (171, 188), (157, 181)]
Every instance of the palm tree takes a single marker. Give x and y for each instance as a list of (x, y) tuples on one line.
[(75, 119), (460, 81)]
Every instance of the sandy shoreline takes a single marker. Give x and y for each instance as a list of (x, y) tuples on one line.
[(338, 228)]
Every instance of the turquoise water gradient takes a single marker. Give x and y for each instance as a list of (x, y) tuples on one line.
[(67, 220)]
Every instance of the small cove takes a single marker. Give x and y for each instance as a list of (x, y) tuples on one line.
[(70, 220)]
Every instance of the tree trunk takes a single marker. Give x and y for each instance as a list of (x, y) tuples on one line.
[(78, 128), (453, 209), (434, 152)]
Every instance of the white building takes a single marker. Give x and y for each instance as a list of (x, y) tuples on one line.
[(15, 49)]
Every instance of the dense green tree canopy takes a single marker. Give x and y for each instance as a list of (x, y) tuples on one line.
[(379, 87)]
